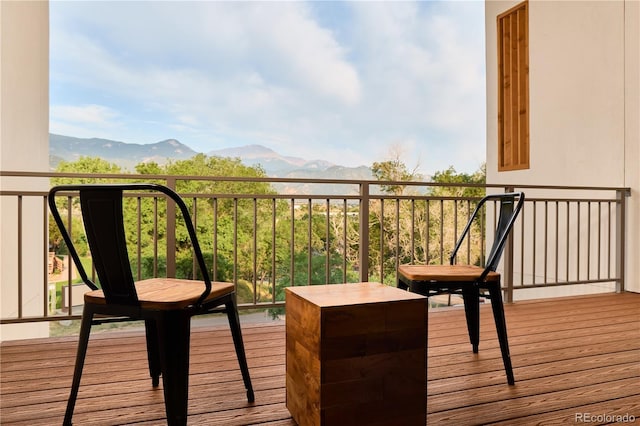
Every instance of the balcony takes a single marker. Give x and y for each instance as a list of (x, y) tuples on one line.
[(575, 355)]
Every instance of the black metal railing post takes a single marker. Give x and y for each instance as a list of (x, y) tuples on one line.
[(171, 231), (507, 275), (621, 211)]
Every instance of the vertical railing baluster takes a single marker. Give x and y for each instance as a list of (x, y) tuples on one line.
[(483, 236), (215, 240), (455, 223), (254, 255), (364, 232), (194, 218), (589, 240), (382, 234), (235, 242), (344, 241), (533, 248), (599, 239), (568, 238), (441, 232), (397, 254), (412, 232), (609, 225), (557, 254), (155, 236), (522, 226), (427, 227), (292, 246), (139, 236), (19, 260), (470, 233), (69, 294), (273, 250), (327, 245), (578, 214), (309, 243), (45, 248), (546, 241)]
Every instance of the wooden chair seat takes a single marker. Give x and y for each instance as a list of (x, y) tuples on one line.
[(447, 273), (168, 293)]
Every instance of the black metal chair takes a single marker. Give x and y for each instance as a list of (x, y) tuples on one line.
[(470, 281), (165, 304)]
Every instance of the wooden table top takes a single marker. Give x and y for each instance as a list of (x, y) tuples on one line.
[(351, 294)]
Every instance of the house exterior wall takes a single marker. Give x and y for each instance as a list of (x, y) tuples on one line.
[(24, 146), (584, 76)]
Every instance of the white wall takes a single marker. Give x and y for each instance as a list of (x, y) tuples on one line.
[(24, 146), (632, 139), (584, 101)]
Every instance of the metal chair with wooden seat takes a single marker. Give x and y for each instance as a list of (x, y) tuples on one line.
[(470, 281), (165, 304)]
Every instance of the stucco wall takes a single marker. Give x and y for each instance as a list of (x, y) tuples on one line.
[(632, 137), (584, 101), (24, 146)]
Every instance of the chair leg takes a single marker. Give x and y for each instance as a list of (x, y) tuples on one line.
[(174, 339), (471, 297), (83, 342), (153, 353), (501, 328), (234, 324)]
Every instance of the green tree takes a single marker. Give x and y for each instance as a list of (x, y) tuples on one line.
[(392, 170), (85, 165), (451, 177), (451, 215)]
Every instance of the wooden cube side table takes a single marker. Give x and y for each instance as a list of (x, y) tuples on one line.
[(356, 355)]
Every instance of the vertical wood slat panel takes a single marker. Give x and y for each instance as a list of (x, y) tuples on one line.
[(523, 48), (515, 95), (513, 89), (500, 31), (506, 70)]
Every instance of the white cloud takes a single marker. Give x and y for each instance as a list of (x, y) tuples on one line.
[(91, 114), (217, 74)]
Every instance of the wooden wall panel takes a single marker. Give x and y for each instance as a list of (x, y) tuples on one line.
[(513, 89)]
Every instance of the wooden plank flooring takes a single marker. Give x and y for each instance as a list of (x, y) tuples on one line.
[(571, 356)]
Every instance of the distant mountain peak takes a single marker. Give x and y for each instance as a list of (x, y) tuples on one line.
[(128, 155)]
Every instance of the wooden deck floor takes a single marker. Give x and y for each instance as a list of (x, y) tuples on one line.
[(571, 357)]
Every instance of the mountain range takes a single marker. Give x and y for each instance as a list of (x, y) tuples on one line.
[(128, 155)]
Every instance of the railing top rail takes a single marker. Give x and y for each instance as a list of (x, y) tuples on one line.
[(301, 180)]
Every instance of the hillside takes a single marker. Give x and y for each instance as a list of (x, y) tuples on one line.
[(128, 155)]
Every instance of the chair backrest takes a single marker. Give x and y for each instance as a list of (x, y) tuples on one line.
[(102, 215), (510, 205)]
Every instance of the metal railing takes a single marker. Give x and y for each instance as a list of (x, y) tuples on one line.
[(263, 239)]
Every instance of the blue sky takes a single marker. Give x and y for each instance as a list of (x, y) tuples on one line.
[(347, 82)]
